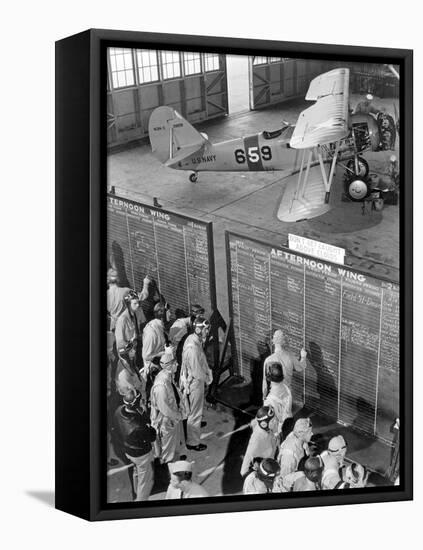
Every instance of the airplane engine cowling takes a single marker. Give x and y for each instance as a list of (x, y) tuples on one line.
[(366, 132)]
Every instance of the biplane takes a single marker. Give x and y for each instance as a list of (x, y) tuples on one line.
[(326, 134)]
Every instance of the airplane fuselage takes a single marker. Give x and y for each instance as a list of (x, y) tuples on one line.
[(250, 153)]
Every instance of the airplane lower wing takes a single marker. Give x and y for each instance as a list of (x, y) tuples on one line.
[(302, 203), (306, 195)]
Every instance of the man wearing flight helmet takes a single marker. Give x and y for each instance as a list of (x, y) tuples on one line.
[(179, 332), (127, 376), (334, 462), (279, 396), (154, 340), (127, 328), (310, 479), (263, 479), (195, 375), (115, 297), (136, 437), (183, 325), (262, 442)]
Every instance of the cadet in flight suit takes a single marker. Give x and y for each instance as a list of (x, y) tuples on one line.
[(195, 375), (286, 358), (166, 409)]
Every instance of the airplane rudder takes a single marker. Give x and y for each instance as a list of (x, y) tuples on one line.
[(159, 131)]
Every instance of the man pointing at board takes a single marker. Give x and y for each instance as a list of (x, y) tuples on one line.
[(286, 358)]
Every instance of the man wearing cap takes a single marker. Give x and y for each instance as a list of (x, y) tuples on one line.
[(166, 409), (195, 374), (136, 436), (295, 446), (181, 484), (264, 479), (334, 462), (287, 359), (262, 442)]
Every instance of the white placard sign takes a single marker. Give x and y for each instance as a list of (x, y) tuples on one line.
[(317, 249)]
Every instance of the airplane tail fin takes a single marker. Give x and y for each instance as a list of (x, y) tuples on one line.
[(172, 137)]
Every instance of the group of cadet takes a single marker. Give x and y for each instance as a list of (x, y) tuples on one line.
[(158, 375), (276, 462)]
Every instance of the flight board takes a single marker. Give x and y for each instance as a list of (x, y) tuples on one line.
[(348, 321), (175, 250)]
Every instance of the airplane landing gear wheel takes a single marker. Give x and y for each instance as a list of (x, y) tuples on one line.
[(193, 177), (357, 189), (362, 165)]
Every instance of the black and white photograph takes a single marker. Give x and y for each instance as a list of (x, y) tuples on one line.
[(253, 275)]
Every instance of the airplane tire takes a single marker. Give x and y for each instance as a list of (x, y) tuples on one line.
[(193, 178), (357, 189), (363, 167)]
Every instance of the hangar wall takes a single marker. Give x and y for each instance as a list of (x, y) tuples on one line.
[(195, 84), (140, 80), (277, 79)]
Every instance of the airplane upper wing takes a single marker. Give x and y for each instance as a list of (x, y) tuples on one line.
[(327, 120)]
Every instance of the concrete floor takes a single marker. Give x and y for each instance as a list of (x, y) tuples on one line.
[(247, 203), (226, 435)]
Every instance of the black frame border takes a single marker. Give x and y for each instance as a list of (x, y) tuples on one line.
[(81, 151)]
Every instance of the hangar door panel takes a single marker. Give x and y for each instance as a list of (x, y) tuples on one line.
[(175, 250), (192, 83), (216, 89), (347, 321), (277, 79)]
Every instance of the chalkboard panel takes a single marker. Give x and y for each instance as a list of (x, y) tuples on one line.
[(175, 250), (347, 320)]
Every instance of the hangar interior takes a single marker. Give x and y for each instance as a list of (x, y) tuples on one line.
[(227, 97)]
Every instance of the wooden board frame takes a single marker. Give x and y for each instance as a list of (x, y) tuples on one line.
[(81, 145)]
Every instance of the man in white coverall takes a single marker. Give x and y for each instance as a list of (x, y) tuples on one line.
[(115, 297), (127, 330), (166, 410), (279, 396), (153, 337), (334, 463), (286, 358), (195, 375), (295, 446), (262, 443)]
